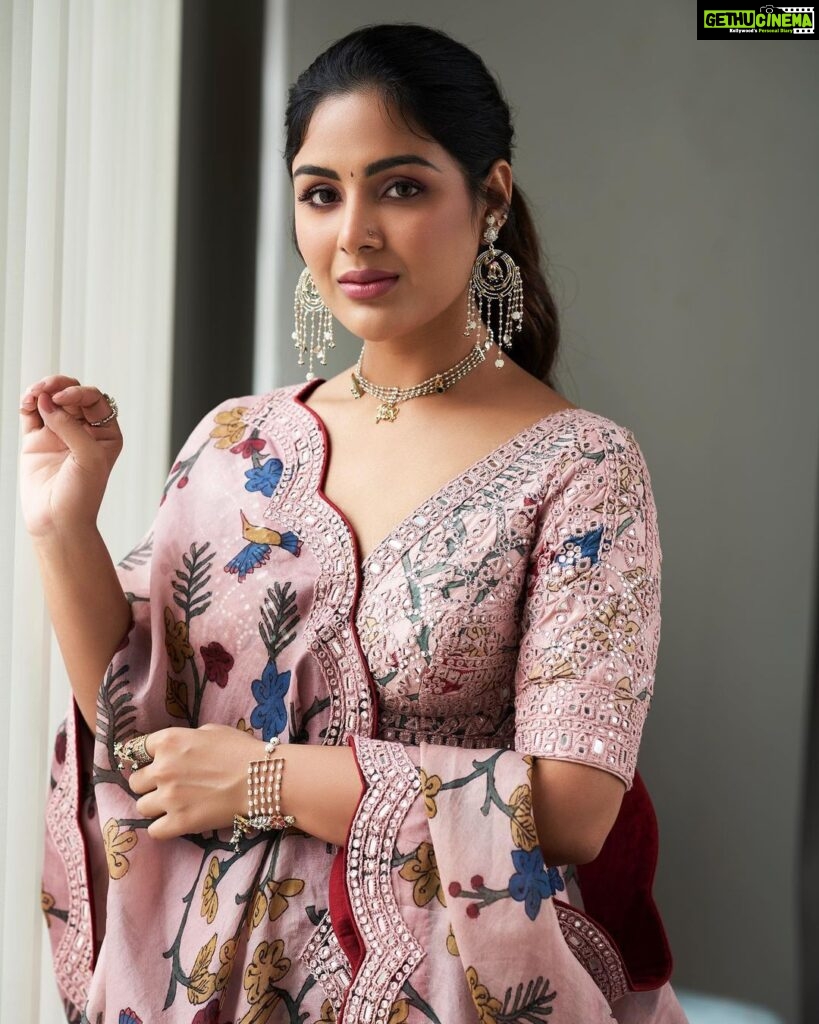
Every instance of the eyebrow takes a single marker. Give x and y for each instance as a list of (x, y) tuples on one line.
[(370, 169)]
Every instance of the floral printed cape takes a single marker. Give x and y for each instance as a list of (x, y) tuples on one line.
[(513, 615)]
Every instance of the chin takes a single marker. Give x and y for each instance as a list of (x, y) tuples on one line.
[(378, 325)]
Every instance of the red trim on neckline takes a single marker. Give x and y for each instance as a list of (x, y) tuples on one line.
[(339, 907), (298, 396)]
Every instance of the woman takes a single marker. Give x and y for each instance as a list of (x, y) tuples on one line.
[(379, 671)]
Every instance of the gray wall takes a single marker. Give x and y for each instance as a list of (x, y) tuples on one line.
[(675, 184)]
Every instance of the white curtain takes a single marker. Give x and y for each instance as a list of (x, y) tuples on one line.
[(273, 361), (88, 140)]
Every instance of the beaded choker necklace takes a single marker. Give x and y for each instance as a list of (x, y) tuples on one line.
[(435, 385)]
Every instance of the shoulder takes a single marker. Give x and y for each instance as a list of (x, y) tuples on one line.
[(228, 421), (599, 504), (593, 464), (582, 437)]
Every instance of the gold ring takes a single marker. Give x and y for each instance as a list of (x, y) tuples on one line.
[(133, 750)]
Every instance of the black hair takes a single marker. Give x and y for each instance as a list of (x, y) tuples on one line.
[(443, 88)]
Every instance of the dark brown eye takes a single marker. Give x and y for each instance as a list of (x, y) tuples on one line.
[(323, 190), (417, 189)]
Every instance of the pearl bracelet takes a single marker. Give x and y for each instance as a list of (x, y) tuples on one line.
[(264, 786)]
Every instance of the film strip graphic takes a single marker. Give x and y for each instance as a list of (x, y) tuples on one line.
[(800, 10)]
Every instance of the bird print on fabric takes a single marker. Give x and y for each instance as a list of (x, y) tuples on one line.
[(261, 542)]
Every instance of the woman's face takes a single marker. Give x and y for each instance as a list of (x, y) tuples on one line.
[(370, 195)]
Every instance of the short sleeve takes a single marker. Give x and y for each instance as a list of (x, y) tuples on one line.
[(591, 618)]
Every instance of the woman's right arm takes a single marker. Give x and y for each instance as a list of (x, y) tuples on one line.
[(64, 468)]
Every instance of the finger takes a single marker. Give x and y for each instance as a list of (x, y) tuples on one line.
[(83, 400), (55, 382), (31, 419), (150, 805), (70, 431), (163, 828), (142, 780)]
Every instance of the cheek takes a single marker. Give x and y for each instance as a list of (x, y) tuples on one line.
[(315, 237), (442, 251)]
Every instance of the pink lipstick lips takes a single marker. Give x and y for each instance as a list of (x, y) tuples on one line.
[(366, 284)]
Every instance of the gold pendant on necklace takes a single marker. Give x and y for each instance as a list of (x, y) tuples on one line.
[(386, 411)]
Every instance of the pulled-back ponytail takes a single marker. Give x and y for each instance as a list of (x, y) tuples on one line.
[(446, 90)]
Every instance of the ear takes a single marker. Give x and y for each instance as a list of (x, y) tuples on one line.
[(499, 182)]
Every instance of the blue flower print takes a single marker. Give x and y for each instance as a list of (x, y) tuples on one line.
[(270, 715), (530, 884), (127, 1016), (265, 477), (583, 545)]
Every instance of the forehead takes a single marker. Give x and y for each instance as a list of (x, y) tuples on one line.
[(350, 131)]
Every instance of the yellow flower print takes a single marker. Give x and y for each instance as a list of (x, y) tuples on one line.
[(117, 844), (477, 637), (637, 577), (257, 912), (370, 631), (280, 892), (202, 983), (451, 944), (244, 727), (266, 968), (231, 427), (488, 1008), (422, 869), (328, 1014), (544, 673), (623, 693), (530, 760), (621, 497), (176, 641), (522, 822), (399, 1011), (610, 629), (46, 903), (261, 1012), (430, 785), (210, 899), (226, 957)]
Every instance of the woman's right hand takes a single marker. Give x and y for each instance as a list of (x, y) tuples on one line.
[(65, 462)]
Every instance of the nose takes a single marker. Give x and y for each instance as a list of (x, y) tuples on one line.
[(357, 230)]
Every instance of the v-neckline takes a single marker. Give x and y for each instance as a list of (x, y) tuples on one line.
[(499, 452)]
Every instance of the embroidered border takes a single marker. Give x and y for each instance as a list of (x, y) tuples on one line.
[(327, 962), (505, 470), (392, 952), (594, 951), (297, 500), (73, 954), (588, 727)]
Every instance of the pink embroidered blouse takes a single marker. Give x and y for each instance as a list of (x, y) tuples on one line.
[(515, 614)]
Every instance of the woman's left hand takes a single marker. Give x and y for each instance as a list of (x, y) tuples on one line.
[(197, 780)]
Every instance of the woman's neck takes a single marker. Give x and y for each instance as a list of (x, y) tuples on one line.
[(409, 360)]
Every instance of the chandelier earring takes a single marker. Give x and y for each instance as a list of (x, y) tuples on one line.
[(314, 324), (495, 294)]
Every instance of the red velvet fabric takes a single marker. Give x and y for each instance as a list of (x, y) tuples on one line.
[(616, 890), (341, 913)]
